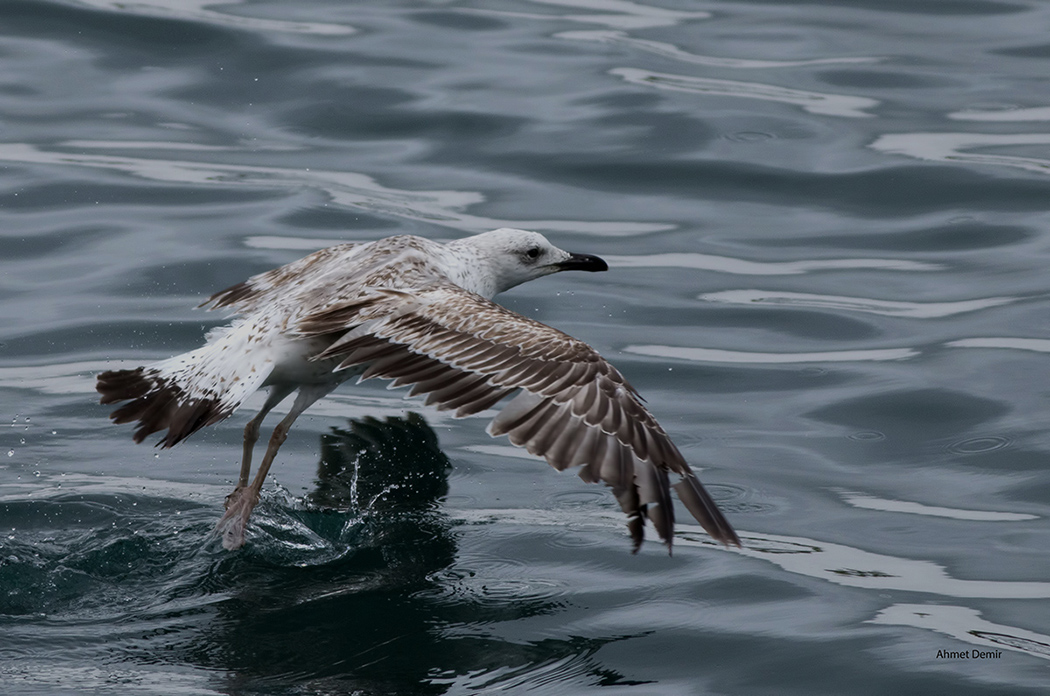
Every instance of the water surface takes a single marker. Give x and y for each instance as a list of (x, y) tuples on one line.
[(827, 229)]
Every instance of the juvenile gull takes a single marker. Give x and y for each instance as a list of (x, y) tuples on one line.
[(419, 313)]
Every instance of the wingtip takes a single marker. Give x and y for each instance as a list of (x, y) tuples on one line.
[(636, 527), (729, 540), (703, 508)]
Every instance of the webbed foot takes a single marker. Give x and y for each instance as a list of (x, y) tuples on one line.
[(239, 506)]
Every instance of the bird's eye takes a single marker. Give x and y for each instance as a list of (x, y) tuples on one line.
[(533, 253)]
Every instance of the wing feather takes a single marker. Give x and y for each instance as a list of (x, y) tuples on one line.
[(263, 288), (573, 408), (483, 402), (586, 452)]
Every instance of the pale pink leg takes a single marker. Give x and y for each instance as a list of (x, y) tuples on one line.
[(242, 501), (251, 432)]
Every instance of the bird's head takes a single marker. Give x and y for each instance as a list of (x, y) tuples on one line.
[(501, 259)]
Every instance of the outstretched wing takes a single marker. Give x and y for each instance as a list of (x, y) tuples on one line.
[(574, 408)]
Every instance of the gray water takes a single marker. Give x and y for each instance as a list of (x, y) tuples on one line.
[(828, 231)]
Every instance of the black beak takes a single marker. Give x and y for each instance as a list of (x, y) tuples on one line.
[(583, 262)]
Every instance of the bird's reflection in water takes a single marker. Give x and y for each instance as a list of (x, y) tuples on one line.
[(367, 463), (389, 475), (376, 618)]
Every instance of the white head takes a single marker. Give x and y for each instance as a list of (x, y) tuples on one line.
[(498, 260)]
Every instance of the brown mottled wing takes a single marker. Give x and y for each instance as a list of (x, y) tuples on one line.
[(574, 408), (260, 289)]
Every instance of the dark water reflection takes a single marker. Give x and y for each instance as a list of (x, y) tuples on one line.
[(348, 590), (378, 619)]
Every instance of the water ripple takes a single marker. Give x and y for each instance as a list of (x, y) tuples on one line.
[(293, 243), (344, 188), (979, 445), (814, 102), (667, 50), (1038, 345), (867, 436), (953, 147), (836, 563), (715, 355), (61, 378), (79, 378), (965, 624), (869, 502), (194, 10), (911, 310), (490, 578), (503, 451), (1037, 113), (728, 264), (845, 565), (619, 14), (47, 677), (562, 672)]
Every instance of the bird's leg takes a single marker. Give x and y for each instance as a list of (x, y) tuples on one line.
[(251, 435), (242, 501)]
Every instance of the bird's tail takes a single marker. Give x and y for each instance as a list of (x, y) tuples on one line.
[(185, 393)]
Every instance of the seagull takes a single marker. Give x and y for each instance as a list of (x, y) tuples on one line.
[(419, 313)]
